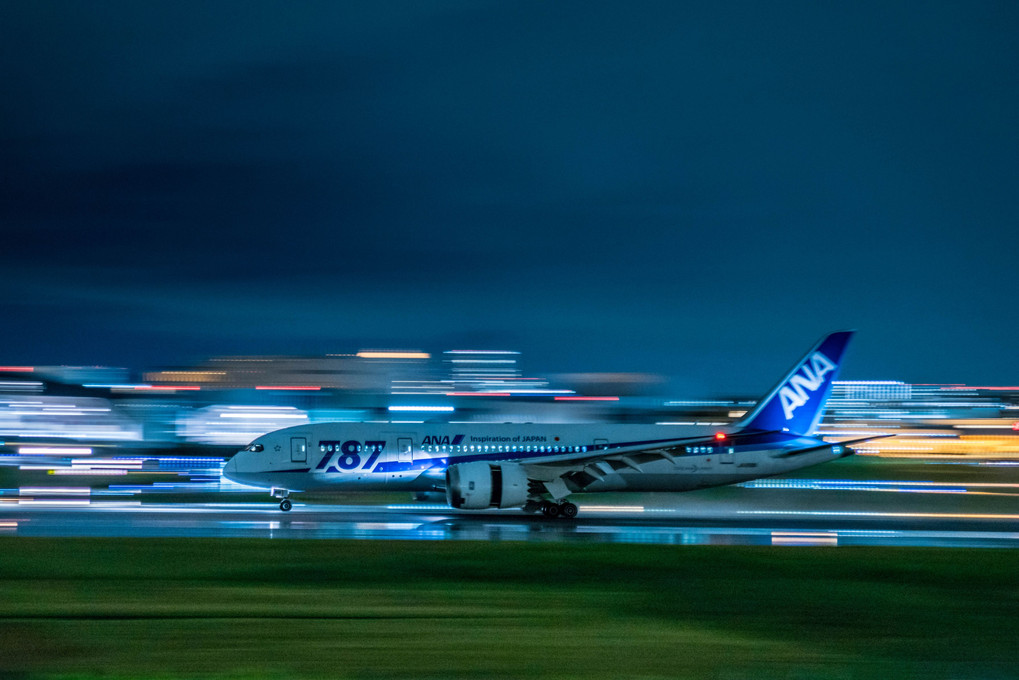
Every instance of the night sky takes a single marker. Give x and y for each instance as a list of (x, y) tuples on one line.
[(698, 190)]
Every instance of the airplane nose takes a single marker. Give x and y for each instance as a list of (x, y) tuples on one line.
[(230, 469)]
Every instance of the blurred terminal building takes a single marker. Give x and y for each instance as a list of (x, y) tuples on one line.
[(214, 408)]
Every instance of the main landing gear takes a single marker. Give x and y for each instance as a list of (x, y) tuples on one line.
[(563, 509), (284, 495)]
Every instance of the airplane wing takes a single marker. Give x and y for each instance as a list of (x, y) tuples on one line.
[(587, 467), (582, 470)]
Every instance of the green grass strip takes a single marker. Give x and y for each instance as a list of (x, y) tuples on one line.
[(247, 608)]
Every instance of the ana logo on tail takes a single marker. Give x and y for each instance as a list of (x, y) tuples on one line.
[(808, 378)]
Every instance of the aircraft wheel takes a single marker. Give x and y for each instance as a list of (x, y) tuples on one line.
[(549, 509), (568, 510), (285, 505)]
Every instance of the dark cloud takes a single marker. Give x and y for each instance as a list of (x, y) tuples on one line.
[(658, 188)]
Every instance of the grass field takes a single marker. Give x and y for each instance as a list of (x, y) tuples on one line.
[(210, 608)]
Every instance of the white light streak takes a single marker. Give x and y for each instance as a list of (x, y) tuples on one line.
[(482, 361), (479, 351), (97, 463), (54, 451), (385, 526), (51, 501), (613, 508), (54, 491), (803, 538), (263, 414), (86, 472)]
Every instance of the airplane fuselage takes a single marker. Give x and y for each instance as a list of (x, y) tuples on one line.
[(361, 456)]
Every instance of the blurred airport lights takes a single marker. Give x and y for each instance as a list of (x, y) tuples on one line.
[(189, 407), (290, 388), (579, 398), (364, 354), (54, 451)]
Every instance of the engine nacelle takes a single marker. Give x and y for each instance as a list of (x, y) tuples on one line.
[(479, 485)]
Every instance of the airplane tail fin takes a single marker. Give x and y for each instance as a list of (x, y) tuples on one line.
[(796, 403)]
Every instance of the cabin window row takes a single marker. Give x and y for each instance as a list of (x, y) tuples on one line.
[(493, 448), (709, 449), (465, 448)]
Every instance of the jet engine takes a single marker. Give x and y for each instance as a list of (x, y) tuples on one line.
[(479, 485)]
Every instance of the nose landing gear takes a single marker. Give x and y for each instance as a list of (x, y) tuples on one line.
[(285, 505)]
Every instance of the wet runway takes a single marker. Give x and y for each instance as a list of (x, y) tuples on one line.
[(715, 523)]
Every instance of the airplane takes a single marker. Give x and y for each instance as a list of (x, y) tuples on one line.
[(536, 467)]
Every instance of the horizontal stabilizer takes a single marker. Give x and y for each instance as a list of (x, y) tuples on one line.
[(828, 445)]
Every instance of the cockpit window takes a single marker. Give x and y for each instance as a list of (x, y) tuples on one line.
[(255, 447)]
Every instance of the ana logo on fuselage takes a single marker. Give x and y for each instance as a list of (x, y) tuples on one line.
[(794, 393), (439, 440)]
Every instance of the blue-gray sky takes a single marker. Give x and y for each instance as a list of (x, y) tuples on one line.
[(694, 189)]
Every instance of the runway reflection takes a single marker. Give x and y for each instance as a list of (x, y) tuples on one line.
[(429, 523)]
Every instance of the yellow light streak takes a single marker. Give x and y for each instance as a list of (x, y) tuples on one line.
[(185, 376), (908, 445), (908, 515)]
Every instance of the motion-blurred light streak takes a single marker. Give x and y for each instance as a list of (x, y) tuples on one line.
[(365, 354), (862, 513), (804, 538), (55, 491), (290, 388), (54, 451)]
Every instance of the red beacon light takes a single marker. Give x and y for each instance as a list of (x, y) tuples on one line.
[(719, 436)]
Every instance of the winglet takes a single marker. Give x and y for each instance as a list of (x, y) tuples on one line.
[(796, 404)]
